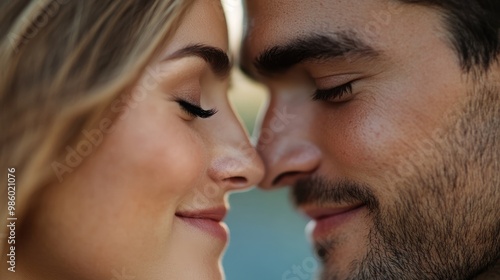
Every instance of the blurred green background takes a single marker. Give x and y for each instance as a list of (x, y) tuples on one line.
[(267, 235)]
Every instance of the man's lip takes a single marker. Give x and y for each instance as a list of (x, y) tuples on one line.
[(320, 213), (326, 220), (215, 214)]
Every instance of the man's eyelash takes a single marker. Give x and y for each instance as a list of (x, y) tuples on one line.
[(195, 110), (333, 93)]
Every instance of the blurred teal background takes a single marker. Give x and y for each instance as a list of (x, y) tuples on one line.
[(267, 234), (267, 238)]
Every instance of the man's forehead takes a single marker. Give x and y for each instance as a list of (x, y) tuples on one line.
[(274, 14), (299, 11), (272, 22), (286, 6)]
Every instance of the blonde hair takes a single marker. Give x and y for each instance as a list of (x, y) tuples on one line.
[(63, 62)]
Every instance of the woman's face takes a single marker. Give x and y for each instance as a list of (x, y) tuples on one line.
[(147, 201)]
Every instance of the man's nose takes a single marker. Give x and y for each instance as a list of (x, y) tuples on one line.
[(285, 144)]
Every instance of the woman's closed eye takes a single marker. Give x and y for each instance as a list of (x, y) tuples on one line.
[(337, 94), (195, 110)]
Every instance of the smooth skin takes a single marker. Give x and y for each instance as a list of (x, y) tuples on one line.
[(115, 215)]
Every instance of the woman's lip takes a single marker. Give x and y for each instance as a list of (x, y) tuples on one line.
[(213, 227), (326, 221), (208, 220), (216, 214)]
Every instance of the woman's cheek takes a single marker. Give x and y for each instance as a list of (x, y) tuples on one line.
[(181, 164), (167, 164), (161, 151)]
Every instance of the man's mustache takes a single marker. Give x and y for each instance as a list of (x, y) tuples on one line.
[(320, 191)]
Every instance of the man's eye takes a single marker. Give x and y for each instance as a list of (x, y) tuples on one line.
[(196, 111), (335, 94)]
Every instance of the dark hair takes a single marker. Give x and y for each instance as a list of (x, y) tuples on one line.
[(474, 27)]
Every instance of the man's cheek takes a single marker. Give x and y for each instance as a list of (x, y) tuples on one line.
[(358, 141)]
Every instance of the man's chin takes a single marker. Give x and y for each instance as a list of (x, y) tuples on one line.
[(341, 268), (344, 248)]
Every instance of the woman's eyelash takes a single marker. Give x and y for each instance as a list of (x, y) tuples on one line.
[(332, 94), (195, 110)]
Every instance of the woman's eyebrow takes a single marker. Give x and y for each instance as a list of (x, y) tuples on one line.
[(217, 59)]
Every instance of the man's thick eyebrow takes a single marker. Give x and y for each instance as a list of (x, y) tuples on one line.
[(217, 59), (280, 58)]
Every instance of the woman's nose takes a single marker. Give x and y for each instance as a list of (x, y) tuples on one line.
[(235, 163), (238, 169)]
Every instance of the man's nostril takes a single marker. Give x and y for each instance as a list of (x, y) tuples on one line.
[(284, 175)]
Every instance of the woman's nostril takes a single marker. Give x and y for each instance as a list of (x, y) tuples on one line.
[(238, 181)]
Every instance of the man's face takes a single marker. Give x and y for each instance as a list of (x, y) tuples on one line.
[(389, 146)]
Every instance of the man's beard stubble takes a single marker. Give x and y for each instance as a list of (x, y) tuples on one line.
[(446, 222)]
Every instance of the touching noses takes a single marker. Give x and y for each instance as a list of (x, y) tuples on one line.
[(285, 145), (235, 164)]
